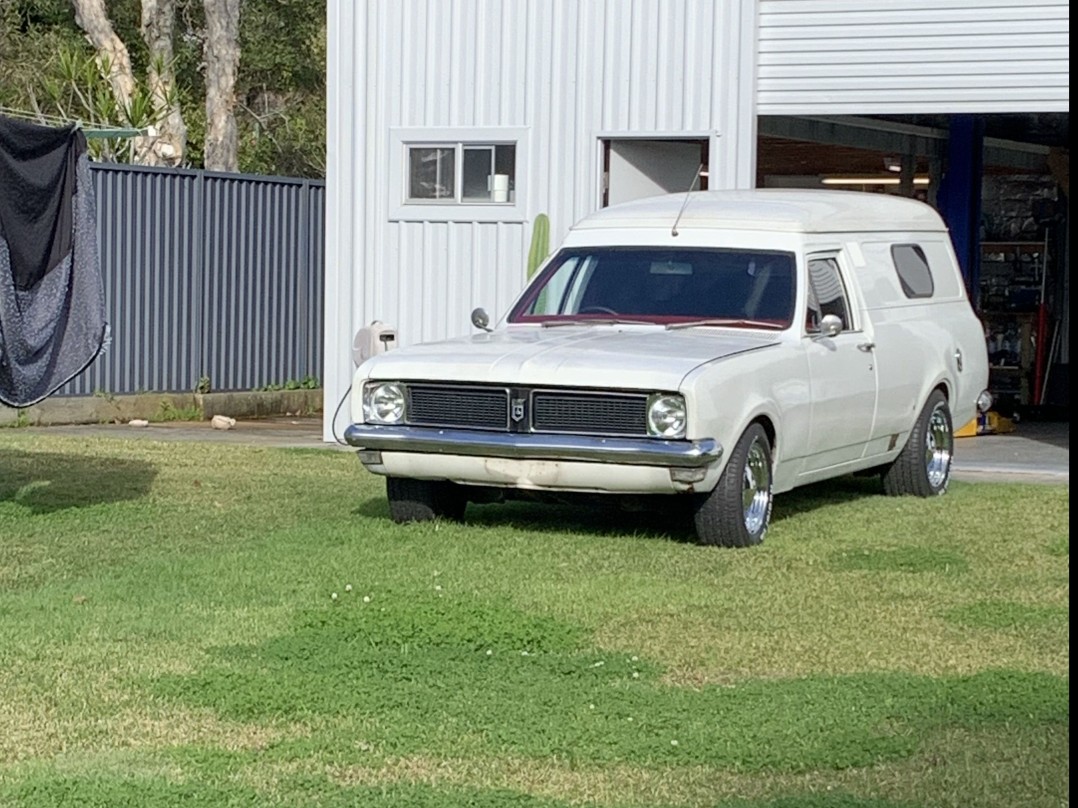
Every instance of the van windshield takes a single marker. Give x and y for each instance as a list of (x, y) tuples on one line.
[(696, 286)]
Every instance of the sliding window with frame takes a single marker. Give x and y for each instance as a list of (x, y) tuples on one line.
[(462, 173), (472, 176)]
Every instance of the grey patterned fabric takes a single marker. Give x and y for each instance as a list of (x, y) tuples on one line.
[(52, 319)]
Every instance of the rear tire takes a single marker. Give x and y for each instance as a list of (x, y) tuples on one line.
[(923, 468), (738, 511), (423, 500)]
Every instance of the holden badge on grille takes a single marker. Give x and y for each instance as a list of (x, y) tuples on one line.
[(516, 411)]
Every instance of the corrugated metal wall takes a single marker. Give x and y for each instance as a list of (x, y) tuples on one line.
[(565, 70), (568, 72), (862, 57), (207, 274)]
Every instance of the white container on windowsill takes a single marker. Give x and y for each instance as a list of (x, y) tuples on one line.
[(499, 188)]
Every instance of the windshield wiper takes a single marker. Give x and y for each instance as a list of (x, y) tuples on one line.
[(725, 321), (595, 321)]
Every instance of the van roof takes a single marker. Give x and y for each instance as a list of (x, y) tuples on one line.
[(800, 211)]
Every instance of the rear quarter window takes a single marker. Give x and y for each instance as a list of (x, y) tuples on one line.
[(914, 274)]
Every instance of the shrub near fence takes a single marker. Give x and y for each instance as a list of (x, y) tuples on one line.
[(210, 278)]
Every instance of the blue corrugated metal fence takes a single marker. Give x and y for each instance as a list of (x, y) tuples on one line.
[(207, 275)]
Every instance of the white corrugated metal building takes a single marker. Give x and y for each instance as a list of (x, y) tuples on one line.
[(454, 123)]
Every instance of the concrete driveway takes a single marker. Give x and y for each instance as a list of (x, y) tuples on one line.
[(1035, 452)]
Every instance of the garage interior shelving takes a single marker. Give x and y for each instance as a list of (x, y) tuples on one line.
[(1012, 288)]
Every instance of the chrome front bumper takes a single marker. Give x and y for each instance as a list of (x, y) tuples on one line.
[(530, 446)]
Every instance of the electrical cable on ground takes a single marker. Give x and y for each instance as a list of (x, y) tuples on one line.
[(336, 412)]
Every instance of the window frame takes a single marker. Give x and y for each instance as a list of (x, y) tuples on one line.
[(853, 326), (455, 209)]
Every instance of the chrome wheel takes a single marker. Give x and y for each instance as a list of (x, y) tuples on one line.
[(939, 444), (737, 511), (923, 467), (756, 488)]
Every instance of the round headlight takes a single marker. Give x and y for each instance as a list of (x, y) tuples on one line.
[(984, 401), (666, 416), (384, 403)]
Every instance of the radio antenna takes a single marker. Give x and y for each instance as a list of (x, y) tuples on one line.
[(699, 173)]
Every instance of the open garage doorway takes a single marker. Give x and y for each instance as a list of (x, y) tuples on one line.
[(634, 168), (1008, 176)]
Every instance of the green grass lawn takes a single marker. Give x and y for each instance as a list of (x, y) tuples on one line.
[(205, 625)]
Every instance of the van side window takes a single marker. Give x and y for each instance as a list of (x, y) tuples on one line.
[(826, 294), (913, 271)]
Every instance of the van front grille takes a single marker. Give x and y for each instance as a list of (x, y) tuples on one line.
[(524, 410), (470, 407), (589, 413)]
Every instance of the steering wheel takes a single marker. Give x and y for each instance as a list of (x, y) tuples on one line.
[(600, 309)]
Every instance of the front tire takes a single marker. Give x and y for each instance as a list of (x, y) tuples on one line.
[(923, 468), (423, 500), (738, 511)]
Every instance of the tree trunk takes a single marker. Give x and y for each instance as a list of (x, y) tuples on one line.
[(170, 144), (93, 19), (222, 62), (114, 61)]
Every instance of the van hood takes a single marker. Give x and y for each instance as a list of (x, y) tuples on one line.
[(598, 356)]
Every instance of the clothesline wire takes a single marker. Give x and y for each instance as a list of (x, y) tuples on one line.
[(57, 120), (34, 116)]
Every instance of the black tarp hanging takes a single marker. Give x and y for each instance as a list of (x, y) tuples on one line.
[(52, 305)]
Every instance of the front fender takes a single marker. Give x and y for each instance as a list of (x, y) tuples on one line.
[(724, 397)]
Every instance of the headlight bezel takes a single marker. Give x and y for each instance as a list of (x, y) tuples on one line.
[(374, 402), (671, 408)]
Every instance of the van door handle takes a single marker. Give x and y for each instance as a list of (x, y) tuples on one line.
[(866, 346)]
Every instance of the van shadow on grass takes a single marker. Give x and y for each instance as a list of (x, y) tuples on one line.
[(658, 516), (837, 491), (45, 482), (652, 517)]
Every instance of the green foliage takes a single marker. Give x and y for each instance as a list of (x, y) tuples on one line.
[(306, 383), (289, 139), (282, 87), (1061, 546), (21, 419), (203, 386), (283, 43), (1004, 615), (50, 69), (28, 15), (76, 89), (167, 411), (32, 33)]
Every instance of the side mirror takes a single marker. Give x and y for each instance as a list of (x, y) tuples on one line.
[(481, 320), (830, 325)]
